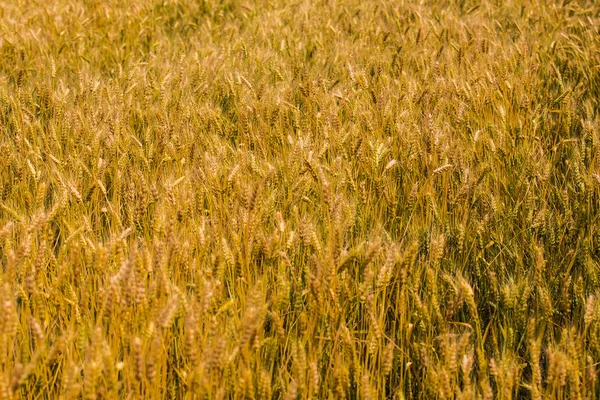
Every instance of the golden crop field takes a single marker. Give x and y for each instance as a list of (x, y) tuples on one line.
[(311, 199)]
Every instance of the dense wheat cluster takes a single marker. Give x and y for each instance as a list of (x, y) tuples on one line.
[(340, 199)]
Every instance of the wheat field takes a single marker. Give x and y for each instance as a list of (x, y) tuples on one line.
[(319, 199)]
